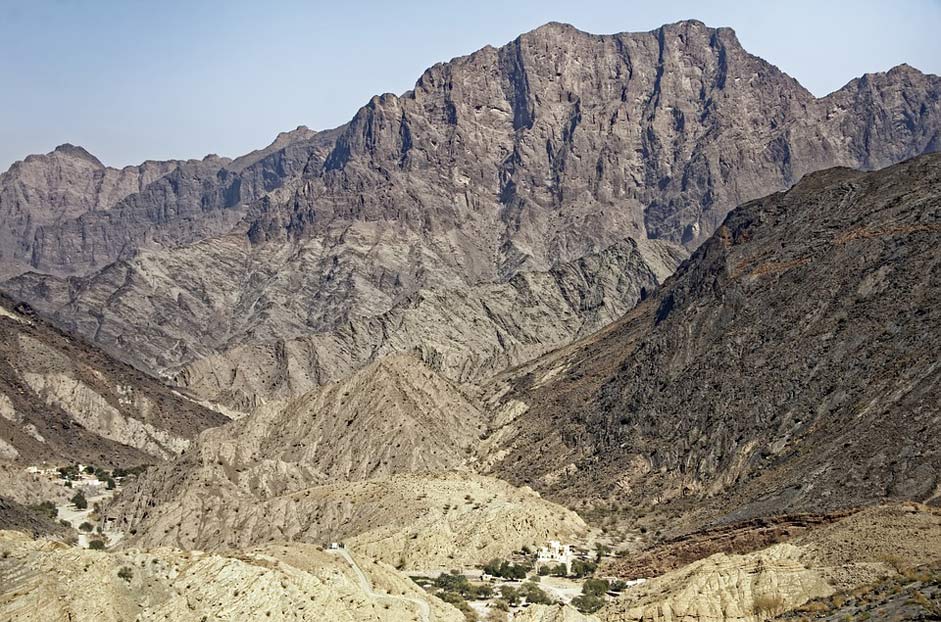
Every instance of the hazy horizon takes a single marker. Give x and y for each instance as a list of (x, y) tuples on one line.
[(136, 82)]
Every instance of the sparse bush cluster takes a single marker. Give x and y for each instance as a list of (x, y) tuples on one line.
[(458, 584), (79, 501), (46, 508), (506, 569), (587, 603), (768, 605)]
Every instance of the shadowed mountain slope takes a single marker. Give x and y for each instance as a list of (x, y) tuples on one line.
[(789, 365)]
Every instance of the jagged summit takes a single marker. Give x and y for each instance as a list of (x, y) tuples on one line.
[(78, 152)]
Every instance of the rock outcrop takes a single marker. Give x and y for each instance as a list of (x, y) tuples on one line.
[(841, 556), (464, 334)]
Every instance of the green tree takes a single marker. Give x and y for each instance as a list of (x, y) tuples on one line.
[(534, 594), (581, 568), (86, 526), (587, 603), (510, 594), (96, 545), (595, 587), (79, 501)]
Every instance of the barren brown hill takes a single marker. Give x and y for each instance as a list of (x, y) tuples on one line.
[(832, 563), (383, 459), (49, 581), (789, 365), (63, 400)]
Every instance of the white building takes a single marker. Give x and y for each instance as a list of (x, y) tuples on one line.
[(554, 554)]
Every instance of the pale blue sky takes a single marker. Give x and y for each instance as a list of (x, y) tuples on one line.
[(133, 80)]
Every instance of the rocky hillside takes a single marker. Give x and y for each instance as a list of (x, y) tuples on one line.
[(515, 159), (393, 416), (832, 563), (789, 365), (62, 399), (412, 521), (464, 334), (383, 459)]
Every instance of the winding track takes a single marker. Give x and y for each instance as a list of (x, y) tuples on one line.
[(423, 608)]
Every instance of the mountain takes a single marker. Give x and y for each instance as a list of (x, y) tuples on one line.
[(508, 161), (65, 213), (64, 400), (464, 333), (789, 365)]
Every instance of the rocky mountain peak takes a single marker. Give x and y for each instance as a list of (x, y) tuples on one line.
[(74, 151)]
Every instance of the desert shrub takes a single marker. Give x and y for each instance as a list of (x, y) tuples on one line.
[(534, 594), (46, 508), (506, 569), (587, 603), (96, 545), (510, 595), (68, 472), (125, 573), (79, 501), (86, 526), (767, 605), (559, 571), (501, 604), (595, 587), (581, 568), (109, 484)]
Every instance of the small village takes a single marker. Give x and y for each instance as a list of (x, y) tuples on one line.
[(88, 488), (555, 573)]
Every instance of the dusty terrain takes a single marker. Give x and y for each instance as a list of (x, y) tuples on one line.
[(51, 582), (413, 521)]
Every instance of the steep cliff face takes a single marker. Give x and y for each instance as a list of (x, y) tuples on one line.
[(511, 160), (790, 364), (67, 214), (44, 190), (62, 399)]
